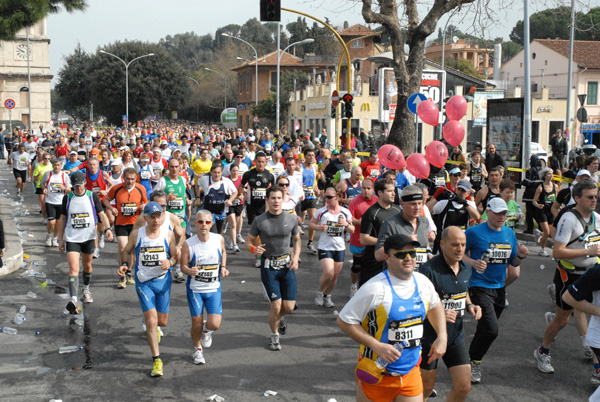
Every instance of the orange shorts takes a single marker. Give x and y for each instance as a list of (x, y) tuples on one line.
[(389, 387)]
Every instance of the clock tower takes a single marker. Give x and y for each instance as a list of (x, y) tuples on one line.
[(14, 83)]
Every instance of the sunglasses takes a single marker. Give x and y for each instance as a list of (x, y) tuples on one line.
[(330, 197), (204, 222), (456, 175), (401, 255), (592, 197), (163, 206), (284, 184)]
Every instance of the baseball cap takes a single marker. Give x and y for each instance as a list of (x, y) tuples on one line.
[(73, 153), (335, 152), (497, 205), (464, 184), (78, 178), (399, 241), (163, 142), (583, 172), (454, 170), (152, 207), (116, 162)]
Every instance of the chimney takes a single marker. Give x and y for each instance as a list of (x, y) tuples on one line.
[(345, 24), (497, 60)]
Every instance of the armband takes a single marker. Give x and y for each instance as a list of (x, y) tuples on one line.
[(106, 230), (125, 264), (252, 248)]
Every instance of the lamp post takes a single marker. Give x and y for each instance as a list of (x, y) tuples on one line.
[(279, 55), (197, 107), (255, 61), (126, 77), (224, 81)]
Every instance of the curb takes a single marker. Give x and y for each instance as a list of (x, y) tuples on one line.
[(14, 250)]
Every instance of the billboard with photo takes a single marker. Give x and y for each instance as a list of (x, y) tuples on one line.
[(480, 100), (505, 128), (433, 86)]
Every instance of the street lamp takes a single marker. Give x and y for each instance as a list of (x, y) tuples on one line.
[(279, 55), (198, 107), (224, 81), (255, 61), (126, 77)]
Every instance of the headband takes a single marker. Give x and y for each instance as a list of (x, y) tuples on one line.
[(412, 197)]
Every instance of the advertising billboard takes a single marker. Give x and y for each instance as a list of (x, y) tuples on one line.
[(505, 128), (480, 100)]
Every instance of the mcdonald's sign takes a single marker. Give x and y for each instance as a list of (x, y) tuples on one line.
[(365, 107)]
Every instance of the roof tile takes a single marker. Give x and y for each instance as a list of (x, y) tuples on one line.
[(585, 53)]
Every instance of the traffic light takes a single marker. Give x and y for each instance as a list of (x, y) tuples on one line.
[(274, 110), (333, 112), (270, 10), (349, 111)]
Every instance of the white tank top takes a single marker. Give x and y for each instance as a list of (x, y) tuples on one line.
[(81, 218), (55, 194), (207, 257), (149, 253)]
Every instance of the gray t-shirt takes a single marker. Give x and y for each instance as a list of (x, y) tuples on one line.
[(275, 232), (569, 228), (397, 225)]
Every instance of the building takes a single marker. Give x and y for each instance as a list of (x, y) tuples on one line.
[(14, 78), (549, 71), (462, 50)]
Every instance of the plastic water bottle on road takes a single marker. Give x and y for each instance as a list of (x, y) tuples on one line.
[(23, 309), (8, 330), (19, 318), (380, 363), (69, 349)]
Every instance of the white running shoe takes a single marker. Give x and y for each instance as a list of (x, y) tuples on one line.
[(311, 248), (45, 221), (87, 296), (236, 248), (549, 316), (178, 275), (96, 253), (319, 298), (48, 240), (101, 242), (475, 372), (198, 357), (206, 339), (353, 290), (543, 253), (543, 361), (55, 242), (240, 239), (327, 302), (274, 342), (230, 245)]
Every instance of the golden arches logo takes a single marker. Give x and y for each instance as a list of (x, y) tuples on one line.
[(365, 107)]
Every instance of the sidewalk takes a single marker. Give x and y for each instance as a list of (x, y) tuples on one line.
[(13, 258)]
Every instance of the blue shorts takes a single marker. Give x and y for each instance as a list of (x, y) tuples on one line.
[(357, 250), (212, 301), (336, 255), (279, 284), (155, 293)]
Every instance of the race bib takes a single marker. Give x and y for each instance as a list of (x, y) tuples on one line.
[(334, 229), (309, 192), (278, 262), (374, 173), (145, 175), (150, 256), (22, 164), (421, 256), (592, 240), (208, 273), (96, 190), (440, 181), (128, 208), (549, 200), (259, 193), (476, 178), (409, 330), (80, 221), (55, 188), (500, 253), (176, 204), (236, 201), (456, 302)]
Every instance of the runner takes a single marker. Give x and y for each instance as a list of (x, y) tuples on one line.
[(544, 198), (153, 245), (276, 229), (235, 211), (333, 221), (371, 167), (80, 211), (350, 187), (450, 277), (477, 171), (38, 173), (20, 162), (204, 259), (219, 193), (130, 199), (491, 191), (55, 185), (310, 176), (576, 246), (388, 311)]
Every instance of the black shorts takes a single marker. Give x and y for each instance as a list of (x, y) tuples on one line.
[(543, 215), (39, 190), (456, 355), (22, 174), (563, 278), (335, 255), (236, 209), (123, 230), (87, 247), (254, 212), (308, 204), (53, 211)]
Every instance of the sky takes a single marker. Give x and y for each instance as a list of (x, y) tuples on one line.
[(107, 21)]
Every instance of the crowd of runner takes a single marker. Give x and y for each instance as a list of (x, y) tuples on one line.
[(423, 253)]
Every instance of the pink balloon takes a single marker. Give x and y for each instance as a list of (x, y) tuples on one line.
[(391, 157), (418, 166), (454, 132), (437, 153), (429, 113), (456, 107)]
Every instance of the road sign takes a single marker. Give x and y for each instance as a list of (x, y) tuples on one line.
[(296, 126), (256, 119), (124, 122), (582, 98), (348, 98), (9, 104), (51, 123), (414, 100), (582, 115), (124, 117), (335, 98)]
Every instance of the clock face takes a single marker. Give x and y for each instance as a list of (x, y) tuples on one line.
[(22, 51)]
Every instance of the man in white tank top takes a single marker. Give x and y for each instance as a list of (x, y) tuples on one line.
[(204, 259), (153, 245)]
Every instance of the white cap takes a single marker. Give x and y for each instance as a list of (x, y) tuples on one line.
[(497, 205)]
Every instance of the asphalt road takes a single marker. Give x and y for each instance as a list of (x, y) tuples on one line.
[(316, 362)]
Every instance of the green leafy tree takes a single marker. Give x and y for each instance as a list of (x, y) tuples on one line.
[(287, 87), (189, 49), (589, 25), (550, 24), (18, 14), (73, 86), (157, 85), (510, 50)]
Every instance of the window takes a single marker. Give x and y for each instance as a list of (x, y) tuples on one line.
[(592, 93), (358, 43), (274, 80)]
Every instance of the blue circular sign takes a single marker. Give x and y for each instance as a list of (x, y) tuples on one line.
[(414, 100), (9, 104)]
